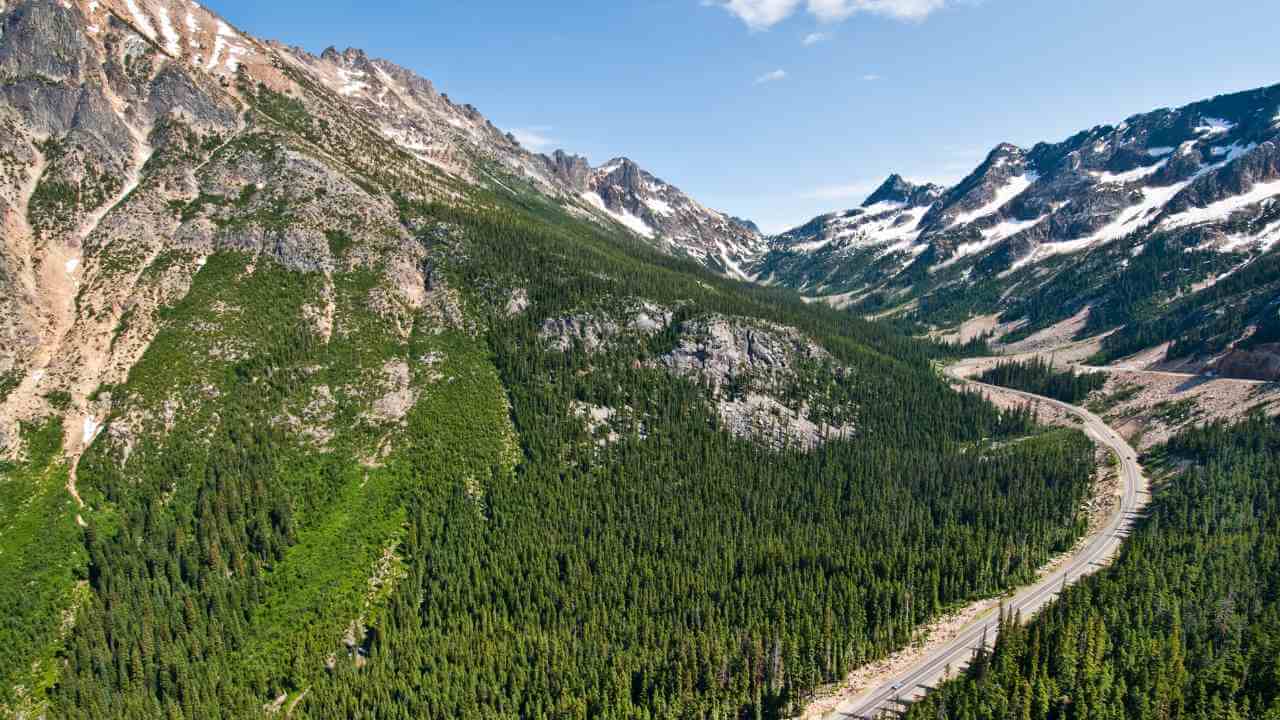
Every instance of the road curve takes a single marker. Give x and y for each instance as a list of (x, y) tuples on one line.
[(1095, 552)]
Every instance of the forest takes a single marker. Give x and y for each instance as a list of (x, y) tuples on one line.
[(398, 513), (1185, 625), (491, 559), (1039, 377)]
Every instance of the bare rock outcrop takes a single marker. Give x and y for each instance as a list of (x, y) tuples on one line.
[(759, 375), (596, 329)]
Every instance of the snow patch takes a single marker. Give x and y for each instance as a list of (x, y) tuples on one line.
[(659, 206), (1160, 151), (1224, 208), (218, 45), (811, 246), (142, 22), (894, 230), (735, 270), (90, 429), (1230, 152), (1268, 237), (1262, 242), (883, 206), (351, 82), (404, 139), (1009, 228), (1015, 187), (1129, 220), (1129, 176), (632, 222), (991, 237), (1214, 126), (1136, 216), (234, 54), (224, 41), (170, 35)]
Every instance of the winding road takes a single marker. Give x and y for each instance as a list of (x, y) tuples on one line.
[(1095, 552)]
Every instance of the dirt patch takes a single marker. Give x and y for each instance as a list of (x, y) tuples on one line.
[(1148, 407), (972, 329), (1147, 399), (1059, 341)]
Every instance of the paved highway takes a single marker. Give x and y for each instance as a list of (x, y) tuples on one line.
[(1095, 552)]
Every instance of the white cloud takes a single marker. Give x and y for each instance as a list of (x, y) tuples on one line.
[(773, 76), (758, 14), (871, 77), (764, 14), (814, 38), (534, 138), (836, 10)]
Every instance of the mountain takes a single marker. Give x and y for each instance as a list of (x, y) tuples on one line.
[(321, 397), (658, 211), (457, 138), (1161, 227)]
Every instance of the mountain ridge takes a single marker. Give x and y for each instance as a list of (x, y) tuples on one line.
[(1204, 177)]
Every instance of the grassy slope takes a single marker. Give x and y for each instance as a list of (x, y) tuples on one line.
[(41, 558)]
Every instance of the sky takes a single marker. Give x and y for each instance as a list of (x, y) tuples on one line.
[(780, 110)]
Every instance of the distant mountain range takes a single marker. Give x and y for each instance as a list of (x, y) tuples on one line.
[(1161, 226)]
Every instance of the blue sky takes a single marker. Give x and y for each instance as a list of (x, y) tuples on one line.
[(779, 110)]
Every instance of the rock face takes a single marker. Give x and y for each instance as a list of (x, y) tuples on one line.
[(720, 349), (140, 137), (595, 331), (765, 381), (758, 376)]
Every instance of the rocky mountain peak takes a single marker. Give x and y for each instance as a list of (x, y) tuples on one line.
[(349, 56), (897, 189), (574, 171), (625, 173)]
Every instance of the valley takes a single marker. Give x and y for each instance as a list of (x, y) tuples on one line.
[(321, 396), (940, 660)]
